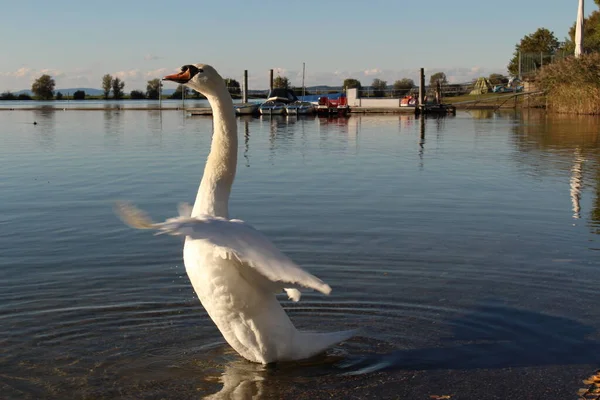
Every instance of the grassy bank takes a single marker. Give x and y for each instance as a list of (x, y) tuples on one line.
[(572, 85)]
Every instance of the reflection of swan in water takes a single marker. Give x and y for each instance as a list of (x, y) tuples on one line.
[(241, 380), (576, 182), (235, 270)]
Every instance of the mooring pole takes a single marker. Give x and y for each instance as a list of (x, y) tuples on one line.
[(271, 79), (422, 87), (245, 92)]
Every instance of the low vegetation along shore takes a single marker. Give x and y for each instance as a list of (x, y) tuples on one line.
[(572, 85)]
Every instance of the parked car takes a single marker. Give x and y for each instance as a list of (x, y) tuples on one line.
[(506, 89)]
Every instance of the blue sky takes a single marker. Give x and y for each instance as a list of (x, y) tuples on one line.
[(79, 41)]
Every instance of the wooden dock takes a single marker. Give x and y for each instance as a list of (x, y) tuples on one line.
[(432, 109), (200, 111)]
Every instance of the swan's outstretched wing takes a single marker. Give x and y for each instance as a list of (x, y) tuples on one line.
[(233, 239)]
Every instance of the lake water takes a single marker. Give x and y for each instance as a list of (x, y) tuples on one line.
[(466, 249)]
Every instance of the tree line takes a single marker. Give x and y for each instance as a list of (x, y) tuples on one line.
[(43, 89)]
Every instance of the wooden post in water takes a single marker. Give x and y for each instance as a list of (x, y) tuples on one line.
[(271, 79), (160, 94), (245, 92), (422, 87)]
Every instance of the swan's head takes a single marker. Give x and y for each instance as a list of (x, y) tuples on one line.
[(201, 77)]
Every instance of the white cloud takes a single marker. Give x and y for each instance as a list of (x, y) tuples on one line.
[(132, 73), (21, 72), (151, 57), (157, 73), (372, 71)]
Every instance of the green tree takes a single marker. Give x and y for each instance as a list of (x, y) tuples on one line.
[(23, 96), (59, 96), (351, 83), (281, 82), (153, 89), (79, 95), (137, 95), (8, 95), (403, 86), (106, 85), (117, 88), (43, 87), (438, 77), (591, 34), (177, 94), (233, 86), (497, 79), (379, 87), (541, 41)]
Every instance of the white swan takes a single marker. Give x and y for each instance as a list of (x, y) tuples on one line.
[(234, 269)]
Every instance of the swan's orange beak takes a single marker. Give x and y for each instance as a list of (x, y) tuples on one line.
[(180, 77)]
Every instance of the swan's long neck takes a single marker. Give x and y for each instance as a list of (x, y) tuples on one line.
[(219, 173)]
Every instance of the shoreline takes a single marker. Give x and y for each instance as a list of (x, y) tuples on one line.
[(208, 110)]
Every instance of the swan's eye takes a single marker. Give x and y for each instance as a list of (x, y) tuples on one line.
[(200, 70)]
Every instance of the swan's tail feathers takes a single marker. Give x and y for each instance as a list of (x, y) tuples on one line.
[(133, 216), (313, 343)]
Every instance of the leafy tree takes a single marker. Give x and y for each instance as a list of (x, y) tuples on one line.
[(497, 79), (281, 82), (233, 86), (591, 34), (137, 95), (8, 95), (117, 88), (379, 87), (403, 86), (153, 89), (43, 87), (79, 95), (438, 76), (540, 41), (23, 96), (106, 85), (58, 96), (177, 94), (351, 83)]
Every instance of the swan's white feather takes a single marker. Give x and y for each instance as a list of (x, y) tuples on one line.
[(232, 240)]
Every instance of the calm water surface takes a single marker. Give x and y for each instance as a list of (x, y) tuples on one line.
[(465, 248)]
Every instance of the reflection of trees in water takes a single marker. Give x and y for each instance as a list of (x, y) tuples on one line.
[(113, 127), (550, 142), (45, 128)]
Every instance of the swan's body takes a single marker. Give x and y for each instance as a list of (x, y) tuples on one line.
[(234, 269)]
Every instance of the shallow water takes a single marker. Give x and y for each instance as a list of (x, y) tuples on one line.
[(465, 248)]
